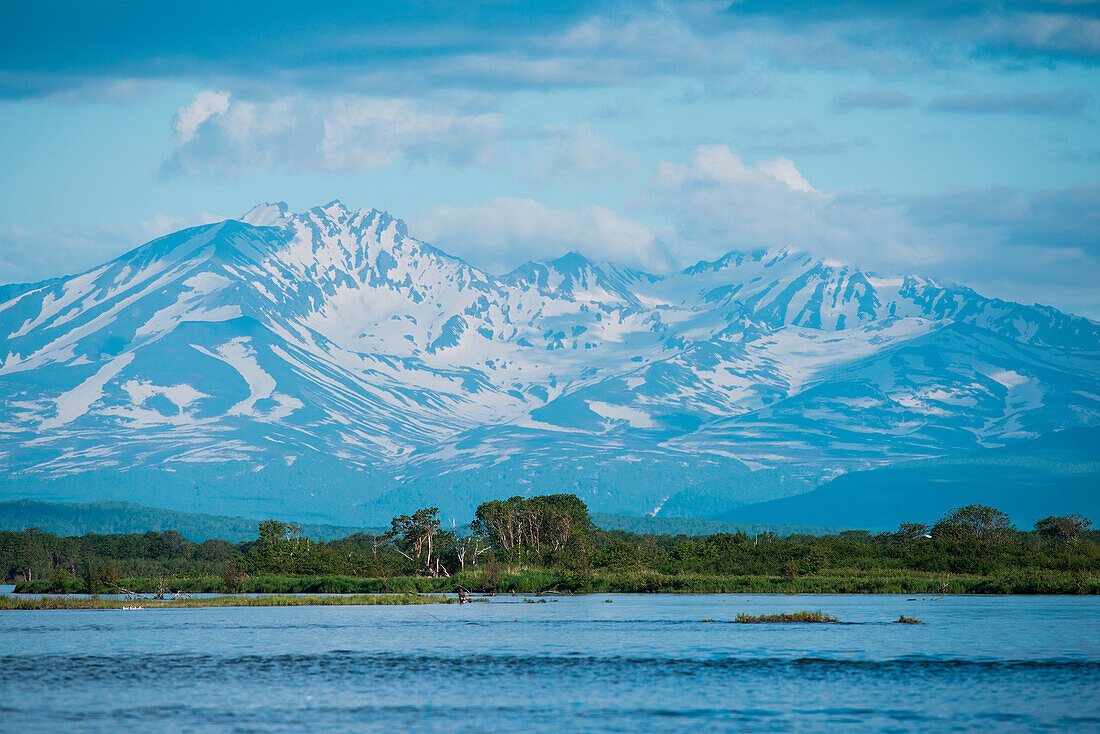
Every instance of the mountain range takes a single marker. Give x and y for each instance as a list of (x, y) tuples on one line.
[(329, 366)]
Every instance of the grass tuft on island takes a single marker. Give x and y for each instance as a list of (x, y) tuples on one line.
[(8, 603), (818, 617)]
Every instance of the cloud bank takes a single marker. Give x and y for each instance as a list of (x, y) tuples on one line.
[(1000, 240), (1058, 104), (217, 135), (47, 48)]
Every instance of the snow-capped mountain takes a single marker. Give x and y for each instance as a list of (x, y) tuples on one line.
[(334, 333)]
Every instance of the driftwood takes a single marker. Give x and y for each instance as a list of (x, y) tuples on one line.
[(159, 595)]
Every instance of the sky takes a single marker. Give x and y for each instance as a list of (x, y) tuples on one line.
[(954, 140)]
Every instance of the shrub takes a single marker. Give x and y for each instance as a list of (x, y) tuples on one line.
[(796, 617), (232, 576)]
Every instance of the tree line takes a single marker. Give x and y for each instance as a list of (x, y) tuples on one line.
[(554, 532)]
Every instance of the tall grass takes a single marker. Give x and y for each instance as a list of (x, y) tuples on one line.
[(538, 580)]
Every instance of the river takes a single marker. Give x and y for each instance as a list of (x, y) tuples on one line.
[(599, 663)]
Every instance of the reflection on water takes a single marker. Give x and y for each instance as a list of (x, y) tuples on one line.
[(641, 662)]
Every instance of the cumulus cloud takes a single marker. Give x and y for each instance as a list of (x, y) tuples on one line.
[(719, 203), (215, 134), (713, 166), (1039, 246), (1058, 104), (503, 233), (880, 98), (202, 107), (783, 170)]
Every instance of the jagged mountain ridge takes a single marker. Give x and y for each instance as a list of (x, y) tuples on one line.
[(335, 332)]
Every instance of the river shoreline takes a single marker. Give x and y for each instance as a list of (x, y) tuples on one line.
[(13, 603), (543, 581)]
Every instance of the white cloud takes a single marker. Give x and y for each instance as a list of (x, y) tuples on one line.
[(719, 203), (215, 134), (503, 233), (783, 170), (201, 108), (578, 150), (717, 165)]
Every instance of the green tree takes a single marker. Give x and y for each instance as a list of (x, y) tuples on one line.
[(546, 523), (977, 523), (272, 532), (100, 575), (909, 531), (422, 539), (1063, 528), (59, 581)]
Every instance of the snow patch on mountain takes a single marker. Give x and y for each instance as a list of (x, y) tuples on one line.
[(74, 403)]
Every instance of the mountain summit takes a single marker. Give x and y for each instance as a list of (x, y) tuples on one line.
[(335, 339)]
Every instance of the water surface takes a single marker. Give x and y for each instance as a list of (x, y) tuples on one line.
[(641, 662)]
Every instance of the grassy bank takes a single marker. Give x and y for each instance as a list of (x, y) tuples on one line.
[(533, 580), (548, 544), (13, 603)]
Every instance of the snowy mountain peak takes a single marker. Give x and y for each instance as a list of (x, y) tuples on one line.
[(335, 333), (267, 215), (571, 262), (739, 258), (571, 276)]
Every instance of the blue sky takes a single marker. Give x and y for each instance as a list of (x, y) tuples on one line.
[(957, 140)]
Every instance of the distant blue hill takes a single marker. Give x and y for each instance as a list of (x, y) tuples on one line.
[(126, 517), (1053, 475), (324, 490), (647, 525)]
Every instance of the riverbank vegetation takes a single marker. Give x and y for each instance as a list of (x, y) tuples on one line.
[(548, 544), (70, 602)]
